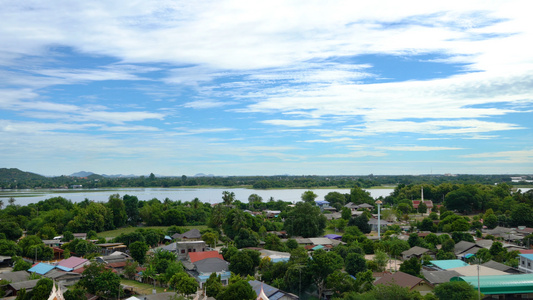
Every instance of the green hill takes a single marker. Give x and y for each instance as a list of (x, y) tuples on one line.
[(18, 175)]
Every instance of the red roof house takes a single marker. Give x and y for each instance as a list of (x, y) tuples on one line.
[(197, 256)]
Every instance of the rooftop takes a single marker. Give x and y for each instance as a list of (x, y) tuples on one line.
[(448, 264), (501, 284)]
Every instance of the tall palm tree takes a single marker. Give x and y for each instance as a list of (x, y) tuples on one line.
[(228, 197), (1, 203)]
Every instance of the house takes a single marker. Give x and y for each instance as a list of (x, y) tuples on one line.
[(14, 288), (271, 292), (41, 268), (191, 235), (108, 248), (183, 248), (438, 277), (428, 203), (463, 247), (275, 256), (62, 277), (501, 267), (202, 269), (197, 256), (374, 224), (502, 287), (472, 270), (81, 236), (72, 263), (402, 279), (447, 264), (114, 258), (524, 265), (414, 252), (16, 276)]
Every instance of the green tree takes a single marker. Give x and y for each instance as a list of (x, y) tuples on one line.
[(355, 263), (340, 282), (117, 206), (238, 290), (100, 281), (11, 230), (183, 283), (246, 238), (9, 248), (228, 197), (305, 220), (422, 208), (138, 251), (213, 285), (244, 262), (210, 238), (411, 266), (346, 213), (131, 205), (309, 197), (322, 265), (75, 294), (381, 259), (456, 290)]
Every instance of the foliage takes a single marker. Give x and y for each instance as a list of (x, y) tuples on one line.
[(456, 290), (138, 251), (355, 263), (9, 248), (305, 220), (75, 294), (213, 285), (411, 266), (183, 283), (11, 230), (240, 289), (20, 264), (340, 282), (309, 196), (361, 222), (386, 292), (100, 281), (41, 291), (322, 265), (244, 262)]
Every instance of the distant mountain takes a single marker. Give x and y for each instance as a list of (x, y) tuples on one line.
[(82, 174), (16, 174), (204, 175), (119, 176)]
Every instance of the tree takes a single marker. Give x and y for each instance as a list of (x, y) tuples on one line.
[(210, 238), (411, 266), (355, 263), (381, 259), (361, 222), (41, 291), (322, 265), (255, 198), (131, 204), (360, 196), (100, 281), (228, 197), (20, 264), (246, 238), (456, 290), (75, 294), (213, 285), (183, 283), (238, 290), (422, 208), (11, 230), (138, 251), (346, 213), (491, 221), (118, 208), (9, 248), (335, 199), (340, 282), (309, 197), (244, 262), (130, 269), (305, 220)]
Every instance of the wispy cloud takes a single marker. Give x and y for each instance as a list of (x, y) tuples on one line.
[(417, 148)]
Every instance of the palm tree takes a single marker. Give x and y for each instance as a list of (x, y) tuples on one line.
[(228, 197), (195, 203), (1, 203)]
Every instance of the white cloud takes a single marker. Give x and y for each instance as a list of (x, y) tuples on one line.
[(417, 148), (293, 123)]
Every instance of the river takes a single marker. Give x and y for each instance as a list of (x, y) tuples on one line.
[(209, 195)]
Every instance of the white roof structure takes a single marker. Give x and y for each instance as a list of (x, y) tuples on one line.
[(471, 270), (56, 294)]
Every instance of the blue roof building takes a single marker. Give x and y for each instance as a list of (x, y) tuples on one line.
[(41, 268), (448, 264)]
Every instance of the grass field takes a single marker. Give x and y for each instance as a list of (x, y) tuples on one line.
[(141, 288), (117, 232)]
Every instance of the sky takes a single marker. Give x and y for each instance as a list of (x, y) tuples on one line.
[(266, 87)]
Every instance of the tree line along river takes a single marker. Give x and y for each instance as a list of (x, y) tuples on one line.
[(209, 195)]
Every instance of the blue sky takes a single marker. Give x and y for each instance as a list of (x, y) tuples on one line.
[(266, 87)]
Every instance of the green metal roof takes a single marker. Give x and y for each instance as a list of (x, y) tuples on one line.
[(448, 263), (501, 284), (318, 247)]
